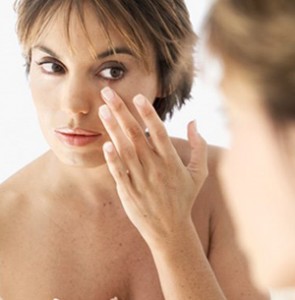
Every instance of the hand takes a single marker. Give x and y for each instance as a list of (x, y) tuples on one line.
[(156, 190)]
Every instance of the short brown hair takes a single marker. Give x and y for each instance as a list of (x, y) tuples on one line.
[(258, 36), (164, 23)]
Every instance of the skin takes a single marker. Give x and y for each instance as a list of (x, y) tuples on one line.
[(76, 225), (259, 182)]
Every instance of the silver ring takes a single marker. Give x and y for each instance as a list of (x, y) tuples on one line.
[(147, 133)]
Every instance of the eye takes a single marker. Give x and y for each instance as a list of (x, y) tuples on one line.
[(51, 67), (112, 73)]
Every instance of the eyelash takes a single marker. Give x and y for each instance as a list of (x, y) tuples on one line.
[(46, 62), (115, 65)]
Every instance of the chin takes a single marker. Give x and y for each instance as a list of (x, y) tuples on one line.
[(82, 160)]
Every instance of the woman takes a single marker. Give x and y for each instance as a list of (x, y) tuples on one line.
[(255, 43), (111, 211)]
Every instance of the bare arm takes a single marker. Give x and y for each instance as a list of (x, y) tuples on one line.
[(183, 268)]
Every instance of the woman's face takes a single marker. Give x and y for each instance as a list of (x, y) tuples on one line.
[(255, 173), (66, 81)]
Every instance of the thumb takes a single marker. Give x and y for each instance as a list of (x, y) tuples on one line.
[(198, 161)]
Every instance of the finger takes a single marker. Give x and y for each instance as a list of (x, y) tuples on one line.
[(127, 122), (198, 162), (115, 165), (124, 148), (157, 131)]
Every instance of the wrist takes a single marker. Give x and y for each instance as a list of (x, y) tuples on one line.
[(178, 239)]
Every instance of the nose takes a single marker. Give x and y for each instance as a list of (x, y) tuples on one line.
[(77, 96)]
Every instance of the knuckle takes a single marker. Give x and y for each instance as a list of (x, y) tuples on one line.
[(118, 106), (119, 173), (161, 133), (161, 177), (148, 112), (128, 153), (133, 132), (112, 125)]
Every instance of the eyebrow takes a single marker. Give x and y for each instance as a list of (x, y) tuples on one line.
[(104, 54)]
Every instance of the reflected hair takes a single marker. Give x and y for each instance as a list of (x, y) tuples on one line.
[(258, 37)]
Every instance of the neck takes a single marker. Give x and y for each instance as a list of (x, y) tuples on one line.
[(78, 180)]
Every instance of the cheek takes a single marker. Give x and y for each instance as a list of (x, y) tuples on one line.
[(236, 174), (237, 161), (44, 95), (254, 193), (247, 162), (140, 82), (42, 91), (245, 185)]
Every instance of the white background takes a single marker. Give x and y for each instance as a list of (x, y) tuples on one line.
[(20, 138)]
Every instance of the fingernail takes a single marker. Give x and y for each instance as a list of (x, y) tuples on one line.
[(107, 93), (108, 147), (139, 100), (105, 112)]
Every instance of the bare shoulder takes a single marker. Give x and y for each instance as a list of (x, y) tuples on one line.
[(12, 199), (17, 190)]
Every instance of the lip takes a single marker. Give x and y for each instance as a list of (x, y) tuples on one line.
[(77, 137)]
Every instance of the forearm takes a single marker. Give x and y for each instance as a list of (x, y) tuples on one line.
[(183, 268)]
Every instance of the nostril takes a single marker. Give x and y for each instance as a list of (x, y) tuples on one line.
[(73, 107)]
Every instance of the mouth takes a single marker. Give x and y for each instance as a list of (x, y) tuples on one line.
[(77, 137)]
